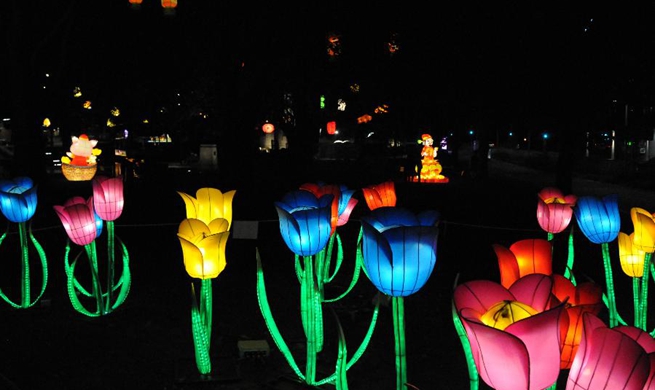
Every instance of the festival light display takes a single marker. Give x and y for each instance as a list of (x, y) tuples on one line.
[(18, 201)]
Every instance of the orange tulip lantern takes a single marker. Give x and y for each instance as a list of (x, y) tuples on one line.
[(380, 195), (169, 6), (532, 256), (136, 4)]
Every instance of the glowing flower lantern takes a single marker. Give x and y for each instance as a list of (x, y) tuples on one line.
[(600, 221), (526, 353), (18, 202), (203, 237), (331, 127), (586, 297), (380, 195), (631, 257), (83, 226), (135, 4), (209, 204), (307, 217), (268, 128), (523, 258), (399, 254), (305, 221), (611, 358), (554, 210), (643, 240), (169, 6)]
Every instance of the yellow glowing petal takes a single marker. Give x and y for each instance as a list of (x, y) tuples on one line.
[(206, 258), (504, 313), (190, 203), (193, 229), (631, 257), (219, 225), (644, 229)]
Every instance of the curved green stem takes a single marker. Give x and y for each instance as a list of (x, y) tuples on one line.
[(71, 283), (201, 325), (474, 376), (568, 271)]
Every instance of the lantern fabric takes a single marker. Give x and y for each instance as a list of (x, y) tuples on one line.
[(399, 249), (79, 219), (268, 128), (598, 218), (383, 194), (203, 246), (209, 204), (320, 189), (526, 355), (108, 197), (586, 297), (631, 257), (554, 209), (18, 199), (644, 229), (610, 358), (305, 221), (347, 203), (522, 258), (169, 4)]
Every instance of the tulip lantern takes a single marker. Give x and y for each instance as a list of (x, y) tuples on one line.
[(380, 195), (399, 250), (18, 201), (522, 258), (554, 214), (84, 221), (308, 218), (513, 335), (600, 221), (203, 237)]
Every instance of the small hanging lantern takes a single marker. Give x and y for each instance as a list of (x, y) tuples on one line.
[(135, 4), (331, 127), (46, 122), (169, 6), (268, 128)]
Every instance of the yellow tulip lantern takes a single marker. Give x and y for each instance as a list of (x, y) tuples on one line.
[(635, 252), (203, 236)]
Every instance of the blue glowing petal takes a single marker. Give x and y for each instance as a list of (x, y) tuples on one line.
[(599, 219), (306, 232), (18, 199), (386, 217), (429, 218)]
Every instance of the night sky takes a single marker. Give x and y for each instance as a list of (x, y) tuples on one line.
[(507, 62)]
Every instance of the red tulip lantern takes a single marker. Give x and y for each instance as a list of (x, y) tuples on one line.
[(331, 127)]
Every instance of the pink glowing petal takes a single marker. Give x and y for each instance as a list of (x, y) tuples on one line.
[(533, 290), (607, 359), (541, 335), (509, 268), (501, 358), (345, 215), (533, 256), (547, 194), (642, 338), (650, 383), (480, 295), (571, 200)]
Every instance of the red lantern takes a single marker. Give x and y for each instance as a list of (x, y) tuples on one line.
[(268, 128), (331, 127), (136, 3)]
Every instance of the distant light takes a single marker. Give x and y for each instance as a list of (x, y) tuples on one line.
[(511, 134), (471, 132), (545, 135), (369, 134), (47, 75)]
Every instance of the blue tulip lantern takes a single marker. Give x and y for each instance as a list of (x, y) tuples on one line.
[(399, 252), (600, 221), (307, 226), (18, 203)]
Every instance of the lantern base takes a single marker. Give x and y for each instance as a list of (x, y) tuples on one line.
[(78, 172)]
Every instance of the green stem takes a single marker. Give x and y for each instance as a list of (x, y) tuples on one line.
[(25, 268), (636, 288), (398, 307), (110, 266), (93, 263), (568, 271), (643, 298), (474, 376), (609, 280)]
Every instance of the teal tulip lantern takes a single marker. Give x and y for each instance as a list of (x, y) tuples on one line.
[(399, 252), (308, 219), (18, 202), (600, 222)]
